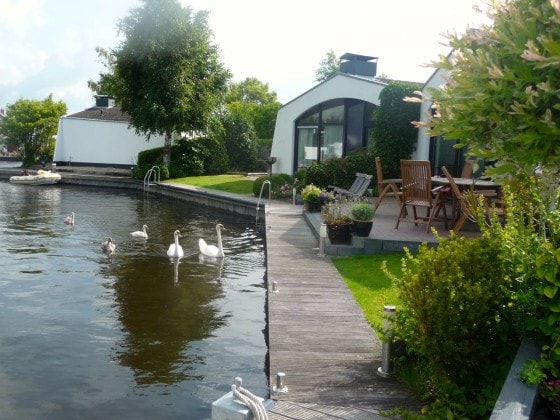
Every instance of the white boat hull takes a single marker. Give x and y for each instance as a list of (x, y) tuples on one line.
[(42, 178)]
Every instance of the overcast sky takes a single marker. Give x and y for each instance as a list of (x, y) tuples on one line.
[(48, 46)]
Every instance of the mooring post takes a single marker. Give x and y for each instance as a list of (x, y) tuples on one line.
[(322, 239), (385, 370)]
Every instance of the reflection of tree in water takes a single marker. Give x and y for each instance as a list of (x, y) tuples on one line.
[(162, 317)]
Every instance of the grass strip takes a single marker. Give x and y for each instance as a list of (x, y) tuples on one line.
[(233, 183), (370, 286)]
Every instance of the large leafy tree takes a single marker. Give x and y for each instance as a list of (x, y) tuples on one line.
[(168, 76), (502, 98), (253, 100), (328, 67), (32, 126), (393, 137)]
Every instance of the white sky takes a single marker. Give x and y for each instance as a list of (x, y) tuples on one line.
[(48, 46)]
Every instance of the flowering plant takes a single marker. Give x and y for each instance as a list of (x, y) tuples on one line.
[(311, 193), (334, 211), (550, 391)]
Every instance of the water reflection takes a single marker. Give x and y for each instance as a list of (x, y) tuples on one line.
[(161, 317)]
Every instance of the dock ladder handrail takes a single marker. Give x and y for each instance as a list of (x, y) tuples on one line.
[(155, 171)]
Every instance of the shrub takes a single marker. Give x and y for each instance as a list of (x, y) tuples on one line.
[(281, 185), (453, 298)]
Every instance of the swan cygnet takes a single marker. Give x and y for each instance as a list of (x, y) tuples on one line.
[(140, 234), (108, 246), (213, 250), (175, 250), (69, 220)]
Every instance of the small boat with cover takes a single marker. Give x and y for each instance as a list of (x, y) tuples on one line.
[(41, 178)]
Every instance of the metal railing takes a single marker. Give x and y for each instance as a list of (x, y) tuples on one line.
[(155, 172)]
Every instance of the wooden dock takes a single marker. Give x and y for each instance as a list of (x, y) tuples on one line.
[(318, 335)]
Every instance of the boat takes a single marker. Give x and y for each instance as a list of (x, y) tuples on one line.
[(41, 178)]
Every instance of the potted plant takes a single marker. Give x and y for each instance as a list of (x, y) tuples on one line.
[(310, 195), (362, 216), (339, 224)]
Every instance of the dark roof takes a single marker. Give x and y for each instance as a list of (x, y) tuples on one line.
[(103, 114), (350, 56)]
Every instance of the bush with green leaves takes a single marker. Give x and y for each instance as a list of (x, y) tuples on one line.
[(280, 184), (336, 171), (453, 298)]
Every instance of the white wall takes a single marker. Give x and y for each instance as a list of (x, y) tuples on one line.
[(436, 81), (339, 86), (100, 142)]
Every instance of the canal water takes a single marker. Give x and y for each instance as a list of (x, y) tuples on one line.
[(136, 335)]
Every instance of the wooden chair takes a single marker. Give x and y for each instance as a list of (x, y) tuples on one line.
[(467, 169), (417, 192), (357, 189), (463, 203), (386, 187)]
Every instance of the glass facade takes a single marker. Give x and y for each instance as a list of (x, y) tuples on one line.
[(332, 129)]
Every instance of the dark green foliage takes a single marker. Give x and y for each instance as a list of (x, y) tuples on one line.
[(186, 160), (213, 154), (190, 158), (281, 185), (238, 136), (394, 136), (337, 171), (455, 314)]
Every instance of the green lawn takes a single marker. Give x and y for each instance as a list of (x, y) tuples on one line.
[(370, 286), (233, 183)]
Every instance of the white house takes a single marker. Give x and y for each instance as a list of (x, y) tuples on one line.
[(100, 136), (439, 151), (336, 116), (331, 119)]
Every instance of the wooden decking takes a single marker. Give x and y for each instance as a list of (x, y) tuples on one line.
[(318, 335)]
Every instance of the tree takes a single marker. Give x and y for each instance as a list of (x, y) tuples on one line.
[(106, 83), (168, 75), (238, 136), (393, 136), (32, 125), (252, 99), (251, 91), (328, 67), (502, 99)]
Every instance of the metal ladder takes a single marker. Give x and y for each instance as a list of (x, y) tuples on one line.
[(155, 171)]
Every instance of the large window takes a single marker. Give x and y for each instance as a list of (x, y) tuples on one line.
[(332, 129)]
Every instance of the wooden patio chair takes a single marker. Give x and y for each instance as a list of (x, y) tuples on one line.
[(463, 201), (467, 169), (357, 189), (417, 192), (386, 187)]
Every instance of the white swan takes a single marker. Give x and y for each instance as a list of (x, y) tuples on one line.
[(213, 250), (140, 234), (108, 246), (175, 250), (69, 220)]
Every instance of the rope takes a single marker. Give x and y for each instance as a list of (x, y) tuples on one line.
[(251, 401)]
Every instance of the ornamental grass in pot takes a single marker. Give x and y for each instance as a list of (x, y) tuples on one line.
[(362, 216)]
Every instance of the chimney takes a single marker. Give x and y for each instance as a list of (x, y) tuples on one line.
[(104, 101), (360, 65)]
